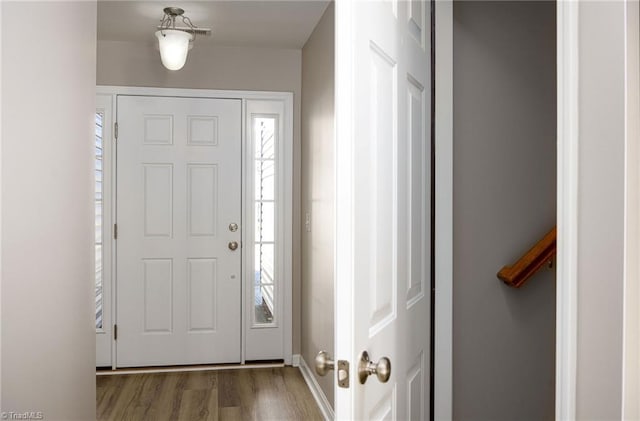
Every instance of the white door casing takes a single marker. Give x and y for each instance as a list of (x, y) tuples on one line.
[(179, 188), (442, 20), (383, 238), (104, 335), (267, 341), (271, 103)]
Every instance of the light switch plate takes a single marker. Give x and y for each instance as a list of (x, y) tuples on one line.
[(307, 221)]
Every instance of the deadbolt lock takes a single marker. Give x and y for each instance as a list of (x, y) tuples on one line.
[(233, 227)]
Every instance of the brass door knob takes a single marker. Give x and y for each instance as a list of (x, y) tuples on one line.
[(382, 369), (324, 363)]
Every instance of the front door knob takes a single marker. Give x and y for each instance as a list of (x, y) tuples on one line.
[(382, 369), (324, 363), (233, 245)]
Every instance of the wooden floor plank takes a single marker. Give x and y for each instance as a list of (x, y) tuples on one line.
[(107, 392), (165, 409), (250, 394), (231, 413), (202, 380), (228, 389), (195, 406), (271, 389), (298, 392), (125, 397)]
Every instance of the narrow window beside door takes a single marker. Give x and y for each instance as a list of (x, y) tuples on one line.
[(98, 217), (264, 130)]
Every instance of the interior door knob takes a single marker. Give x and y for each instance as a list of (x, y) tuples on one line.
[(324, 363), (233, 245), (382, 369)]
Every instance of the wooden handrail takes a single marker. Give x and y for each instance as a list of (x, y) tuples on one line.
[(530, 262)]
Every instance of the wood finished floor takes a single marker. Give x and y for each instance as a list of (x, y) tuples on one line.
[(246, 394)]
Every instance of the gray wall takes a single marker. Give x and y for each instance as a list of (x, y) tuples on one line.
[(48, 112), (318, 194), (239, 68), (504, 201)]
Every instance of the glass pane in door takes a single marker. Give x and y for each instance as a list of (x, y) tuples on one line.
[(265, 279)]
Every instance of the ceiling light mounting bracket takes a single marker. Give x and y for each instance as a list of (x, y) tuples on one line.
[(169, 21), (173, 11)]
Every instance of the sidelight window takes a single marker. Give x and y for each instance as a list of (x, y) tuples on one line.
[(265, 282), (98, 207), (268, 227)]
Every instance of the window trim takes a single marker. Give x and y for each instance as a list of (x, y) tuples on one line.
[(283, 198)]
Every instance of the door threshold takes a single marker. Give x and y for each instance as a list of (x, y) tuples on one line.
[(186, 368)]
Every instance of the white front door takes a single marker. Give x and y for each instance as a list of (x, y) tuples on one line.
[(383, 235), (178, 194)]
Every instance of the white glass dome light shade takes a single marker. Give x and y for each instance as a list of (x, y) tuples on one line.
[(174, 46)]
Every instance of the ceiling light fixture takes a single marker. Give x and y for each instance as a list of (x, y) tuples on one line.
[(175, 42)]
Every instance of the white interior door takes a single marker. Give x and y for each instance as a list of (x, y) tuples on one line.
[(383, 206), (178, 191)]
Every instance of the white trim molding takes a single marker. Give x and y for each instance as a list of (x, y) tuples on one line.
[(315, 389), (343, 294), (631, 347), (1, 205), (567, 255), (295, 360), (193, 93), (264, 341), (443, 352), (186, 369), (105, 346)]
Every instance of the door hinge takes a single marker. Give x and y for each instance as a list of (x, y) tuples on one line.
[(115, 332), (115, 231), (115, 130)]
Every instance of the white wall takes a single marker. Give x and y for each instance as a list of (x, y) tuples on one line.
[(241, 68), (631, 374), (318, 195), (608, 368), (600, 210), (48, 330), (607, 123)]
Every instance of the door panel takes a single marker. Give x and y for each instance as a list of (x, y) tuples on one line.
[(383, 205), (179, 188)]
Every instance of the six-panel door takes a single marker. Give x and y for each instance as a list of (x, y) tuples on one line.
[(383, 208), (178, 189)]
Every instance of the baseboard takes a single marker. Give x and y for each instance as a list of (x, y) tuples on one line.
[(295, 360), (184, 368), (314, 387)]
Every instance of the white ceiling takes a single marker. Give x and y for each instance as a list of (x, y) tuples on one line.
[(266, 23)]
